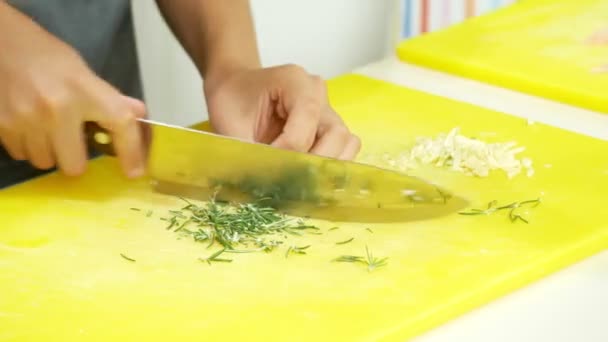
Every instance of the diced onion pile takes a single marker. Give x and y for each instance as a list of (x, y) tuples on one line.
[(462, 154)]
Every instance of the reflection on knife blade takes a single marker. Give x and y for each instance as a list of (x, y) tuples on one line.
[(191, 163), (310, 192)]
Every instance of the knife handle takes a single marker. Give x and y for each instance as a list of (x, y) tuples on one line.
[(99, 138)]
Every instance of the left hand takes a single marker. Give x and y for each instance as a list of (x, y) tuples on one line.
[(283, 106)]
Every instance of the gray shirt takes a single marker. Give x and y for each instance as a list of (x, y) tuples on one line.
[(102, 31)]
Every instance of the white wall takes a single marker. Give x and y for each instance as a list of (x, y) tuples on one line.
[(327, 37)]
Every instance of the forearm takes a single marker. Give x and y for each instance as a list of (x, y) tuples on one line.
[(13, 23), (218, 35), (21, 36)]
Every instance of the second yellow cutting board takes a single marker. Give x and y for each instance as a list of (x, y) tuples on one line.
[(540, 47), (62, 277)]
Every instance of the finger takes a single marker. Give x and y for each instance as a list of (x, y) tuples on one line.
[(13, 144), (118, 115), (140, 111), (300, 127), (38, 148), (126, 135), (332, 142), (69, 146), (136, 105), (304, 98), (352, 148)]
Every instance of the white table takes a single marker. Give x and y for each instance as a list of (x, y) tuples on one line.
[(571, 305)]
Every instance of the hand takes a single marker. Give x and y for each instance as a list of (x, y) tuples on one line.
[(47, 92), (283, 106)]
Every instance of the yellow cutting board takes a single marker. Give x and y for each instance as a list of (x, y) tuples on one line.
[(62, 277), (533, 46)]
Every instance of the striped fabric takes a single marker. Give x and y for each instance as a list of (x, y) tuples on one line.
[(421, 16)]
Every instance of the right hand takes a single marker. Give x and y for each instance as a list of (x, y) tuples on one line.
[(47, 93)]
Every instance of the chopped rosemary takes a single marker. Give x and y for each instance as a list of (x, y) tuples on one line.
[(348, 258), (369, 230), (296, 250), (185, 200), (236, 251), (214, 257), (149, 213), (135, 209), (372, 262), (493, 207), (177, 213), (369, 260), (172, 222), (345, 241), (216, 254), (333, 228), (127, 258), (268, 246), (181, 226), (237, 228), (248, 228), (217, 260)]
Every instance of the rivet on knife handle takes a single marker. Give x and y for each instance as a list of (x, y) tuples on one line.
[(99, 138)]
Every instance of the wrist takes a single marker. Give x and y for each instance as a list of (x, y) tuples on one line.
[(215, 74)]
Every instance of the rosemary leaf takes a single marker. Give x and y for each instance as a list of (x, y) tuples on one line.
[(345, 241), (221, 260), (181, 226), (239, 251), (127, 258), (214, 257), (296, 250), (216, 254), (348, 258), (172, 222)]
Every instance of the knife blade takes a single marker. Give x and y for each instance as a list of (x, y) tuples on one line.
[(200, 165)]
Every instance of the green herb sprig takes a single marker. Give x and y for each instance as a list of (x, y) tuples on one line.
[(512, 208), (369, 260)]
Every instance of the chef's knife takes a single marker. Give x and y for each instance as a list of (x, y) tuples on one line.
[(199, 165)]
